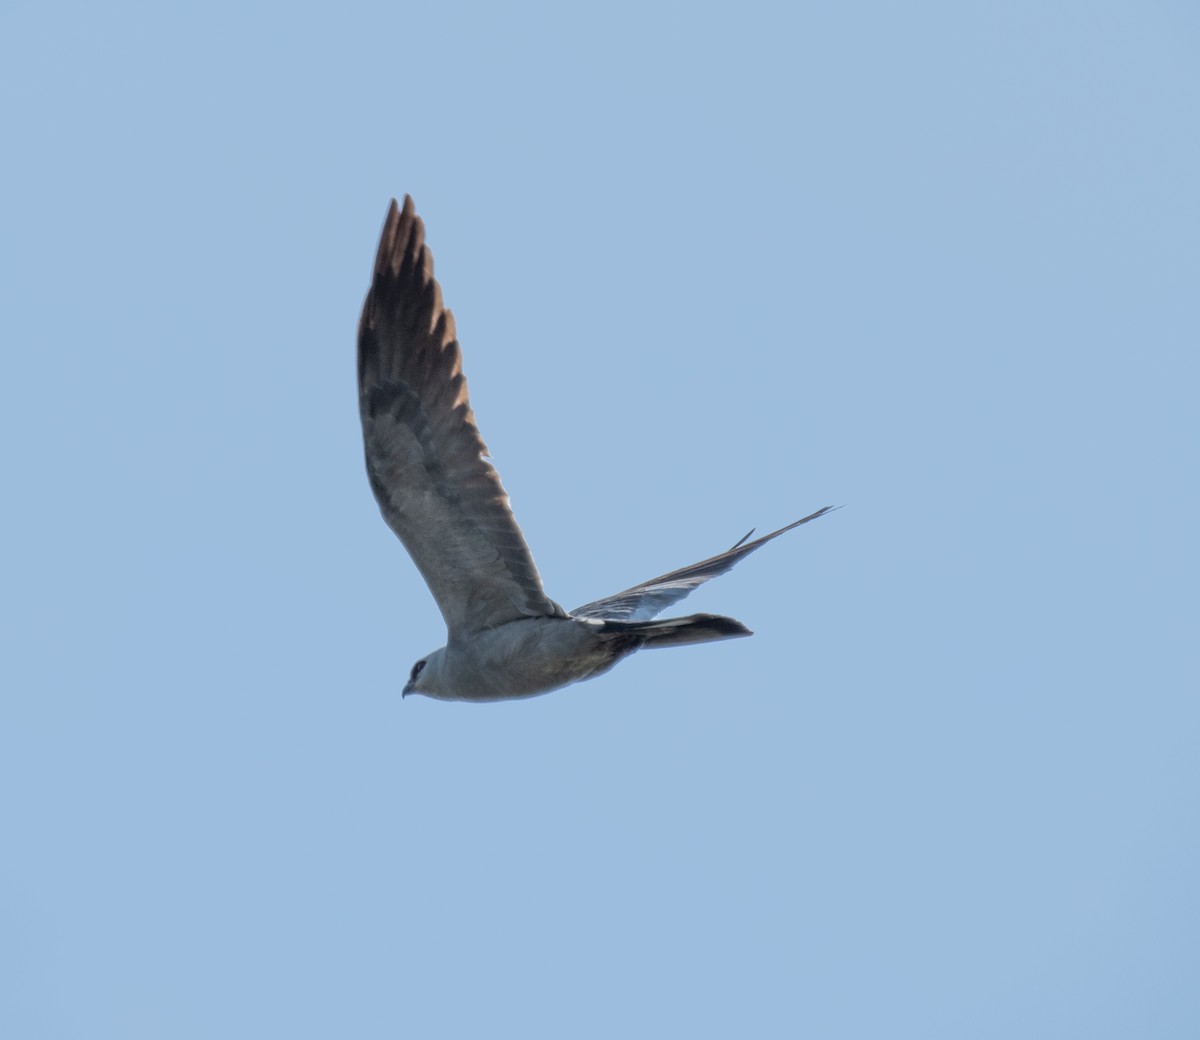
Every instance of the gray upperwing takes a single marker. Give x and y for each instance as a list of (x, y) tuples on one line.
[(425, 458), (650, 598)]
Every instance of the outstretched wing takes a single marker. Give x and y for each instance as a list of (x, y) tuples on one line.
[(425, 458), (650, 598)]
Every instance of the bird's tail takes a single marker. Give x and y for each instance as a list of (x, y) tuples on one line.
[(695, 628)]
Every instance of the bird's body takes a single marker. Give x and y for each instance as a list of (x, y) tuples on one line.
[(438, 491), (535, 655), (519, 659)]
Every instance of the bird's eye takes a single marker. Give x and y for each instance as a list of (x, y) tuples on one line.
[(416, 671)]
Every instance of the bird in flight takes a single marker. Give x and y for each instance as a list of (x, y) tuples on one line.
[(438, 491)]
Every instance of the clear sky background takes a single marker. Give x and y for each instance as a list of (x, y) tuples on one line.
[(713, 268)]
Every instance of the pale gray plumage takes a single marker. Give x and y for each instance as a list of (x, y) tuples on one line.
[(438, 492)]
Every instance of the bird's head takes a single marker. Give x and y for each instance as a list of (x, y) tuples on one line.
[(425, 675)]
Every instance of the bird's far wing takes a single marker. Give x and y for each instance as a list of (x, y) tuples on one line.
[(425, 458), (650, 598)]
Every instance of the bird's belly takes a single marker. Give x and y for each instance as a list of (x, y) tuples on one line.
[(528, 657)]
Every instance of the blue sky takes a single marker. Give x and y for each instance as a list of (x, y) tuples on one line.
[(712, 268)]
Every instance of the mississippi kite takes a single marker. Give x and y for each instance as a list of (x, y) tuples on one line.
[(439, 493)]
